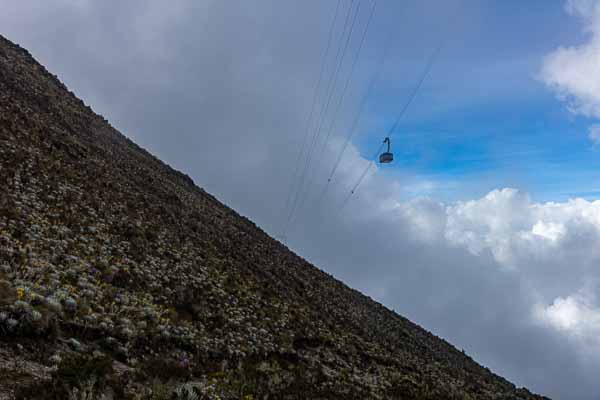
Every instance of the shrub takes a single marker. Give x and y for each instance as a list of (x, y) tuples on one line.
[(165, 369), (81, 376)]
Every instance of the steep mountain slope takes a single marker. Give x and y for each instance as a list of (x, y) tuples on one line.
[(106, 251)]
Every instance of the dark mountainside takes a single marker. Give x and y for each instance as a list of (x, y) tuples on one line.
[(119, 276)]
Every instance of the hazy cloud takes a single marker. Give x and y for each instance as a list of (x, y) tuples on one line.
[(594, 133)]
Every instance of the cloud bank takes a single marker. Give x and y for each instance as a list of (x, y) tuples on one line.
[(511, 280)]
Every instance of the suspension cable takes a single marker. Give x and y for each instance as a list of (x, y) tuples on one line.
[(354, 126), (330, 91), (339, 103), (399, 117), (310, 115)]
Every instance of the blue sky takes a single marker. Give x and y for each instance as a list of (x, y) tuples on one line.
[(483, 118)]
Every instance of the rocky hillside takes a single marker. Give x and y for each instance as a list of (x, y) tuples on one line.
[(119, 278)]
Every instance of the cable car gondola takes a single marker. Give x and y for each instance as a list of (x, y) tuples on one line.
[(388, 156)]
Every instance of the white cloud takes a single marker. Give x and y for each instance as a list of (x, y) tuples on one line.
[(551, 248), (514, 229), (551, 230), (575, 315), (574, 71), (489, 223)]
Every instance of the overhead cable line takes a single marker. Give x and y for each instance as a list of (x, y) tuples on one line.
[(397, 121), (357, 117), (310, 115), (331, 89), (342, 50), (339, 104)]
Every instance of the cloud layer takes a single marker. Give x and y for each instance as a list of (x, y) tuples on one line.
[(553, 248), (511, 280)]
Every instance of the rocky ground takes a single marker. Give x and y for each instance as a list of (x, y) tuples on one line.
[(119, 278)]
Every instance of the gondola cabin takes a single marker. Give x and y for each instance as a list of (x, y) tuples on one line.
[(388, 156)]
